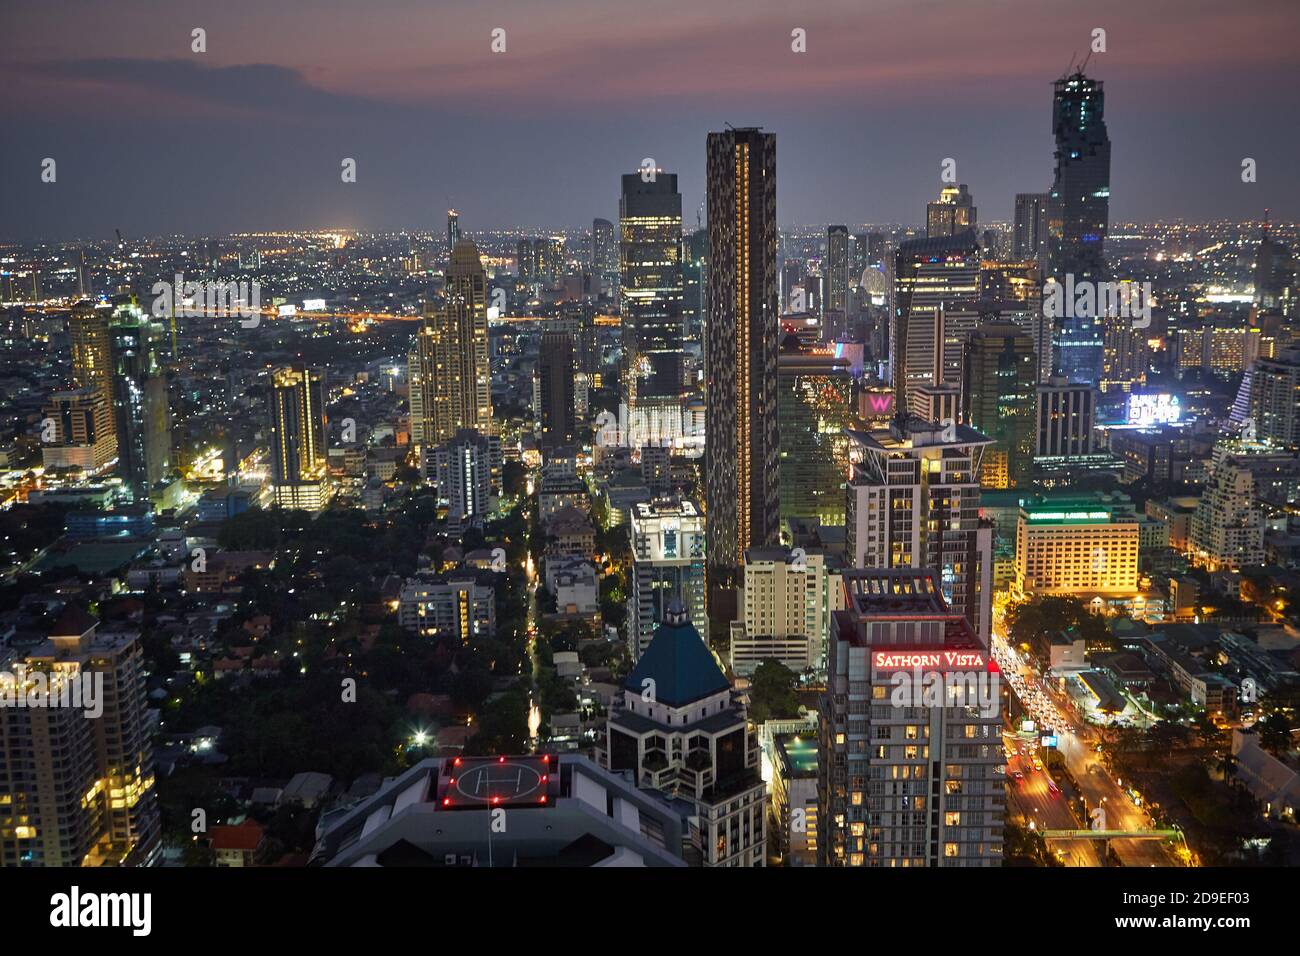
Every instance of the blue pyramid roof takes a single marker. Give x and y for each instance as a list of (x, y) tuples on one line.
[(679, 663)]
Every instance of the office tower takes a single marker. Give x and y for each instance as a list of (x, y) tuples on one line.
[(1274, 398), (904, 779), (787, 596), (1124, 354), (1076, 547), (83, 434), (936, 289), (1065, 418), (678, 729), (999, 399), (92, 365), (141, 411), (604, 254), (299, 455), (1228, 526), (450, 384), (460, 604), (453, 230), (577, 815), (526, 260), (650, 290), (1029, 238), (695, 258), (555, 377), (668, 541), (77, 790), (741, 463), (953, 213), (913, 502), (937, 403), (462, 469), (1274, 275), (1013, 292), (1078, 214), (837, 269), (814, 406)]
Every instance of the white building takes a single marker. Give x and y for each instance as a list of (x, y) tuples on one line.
[(667, 562)]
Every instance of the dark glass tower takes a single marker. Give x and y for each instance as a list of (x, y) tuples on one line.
[(650, 224), (1078, 210), (741, 464)]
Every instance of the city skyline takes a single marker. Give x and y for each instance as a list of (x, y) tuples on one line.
[(283, 121)]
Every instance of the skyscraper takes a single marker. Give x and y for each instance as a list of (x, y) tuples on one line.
[(298, 450), (999, 399), (650, 290), (952, 213), (1275, 398), (91, 358), (1078, 214), (935, 306), (83, 431), (741, 467), (604, 254), (141, 411), (837, 269), (814, 406), (913, 502), (463, 470), (453, 230), (449, 376), (77, 791), (903, 779), (1065, 419), (667, 564), (1029, 238), (555, 375)]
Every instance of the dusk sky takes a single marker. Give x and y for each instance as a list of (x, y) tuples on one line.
[(150, 137)]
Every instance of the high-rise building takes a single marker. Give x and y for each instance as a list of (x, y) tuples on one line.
[(459, 604), (1080, 547), (1124, 354), (555, 378), (453, 230), (1078, 215), (77, 790), (1065, 418), (837, 269), (299, 454), (650, 289), (83, 435), (678, 729), (741, 457), (462, 468), (1228, 526), (92, 363), (668, 543), (604, 254), (1029, 238), (999, 399), (913, 502), (695, 260), (905, 778), (141, 410), (953, 213), (786, 599), (1275, 398), (1274, 275), (450, 382), (814, 406), (936, 288), (1013, 292)]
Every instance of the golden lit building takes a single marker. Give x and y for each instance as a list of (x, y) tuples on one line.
[(80, 431), (1067, 548), (299, 457), (450, 385), (92, 358), (76, 791)]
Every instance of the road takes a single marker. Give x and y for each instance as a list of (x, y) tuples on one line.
[(1075, 741), (1033, 802)]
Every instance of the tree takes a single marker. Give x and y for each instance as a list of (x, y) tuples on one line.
[(514, 479), (1030, 623), (772, 692), (1274, 733)]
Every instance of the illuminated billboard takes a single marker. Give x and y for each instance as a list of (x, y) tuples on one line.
[(1158, 409), (313, 305)]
